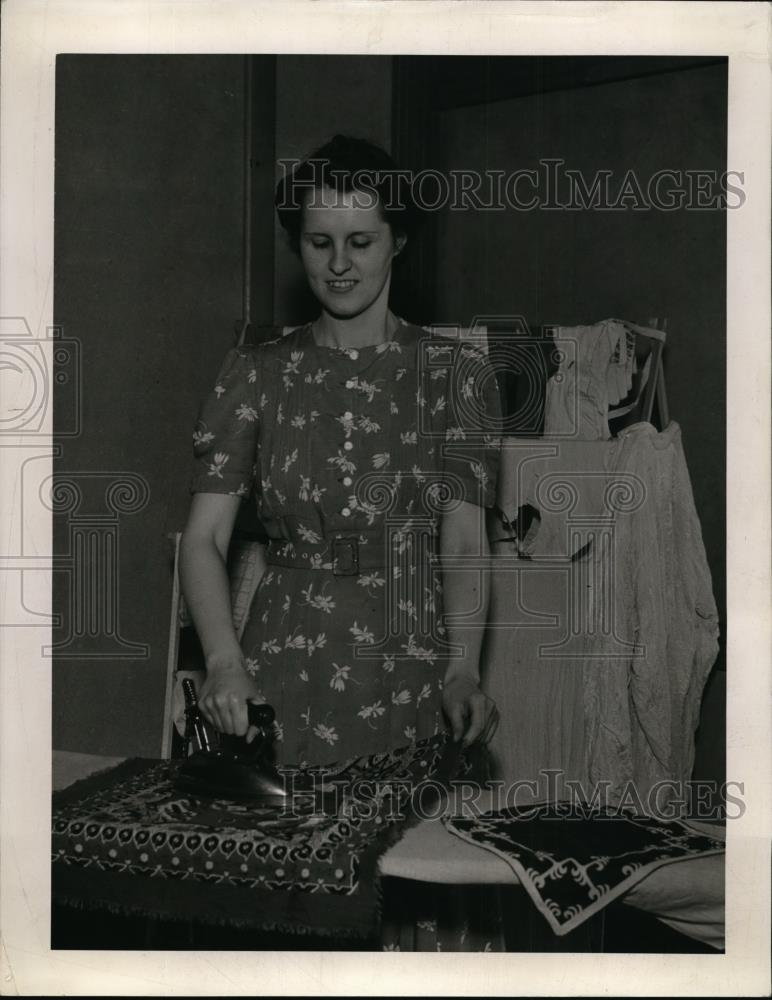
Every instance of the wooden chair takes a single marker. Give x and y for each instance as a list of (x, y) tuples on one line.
[(648, 385)]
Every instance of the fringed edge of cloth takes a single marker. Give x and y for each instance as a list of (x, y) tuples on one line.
[(355, 916)]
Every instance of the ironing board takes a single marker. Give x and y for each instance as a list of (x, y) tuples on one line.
[(686, 895)]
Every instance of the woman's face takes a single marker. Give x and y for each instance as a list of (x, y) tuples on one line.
[(347, 249)]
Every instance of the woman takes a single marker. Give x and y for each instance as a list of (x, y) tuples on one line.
[(362, 446)]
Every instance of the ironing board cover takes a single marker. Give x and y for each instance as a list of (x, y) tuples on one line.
[(127, 840)]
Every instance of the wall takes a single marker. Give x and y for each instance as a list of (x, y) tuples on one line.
[(148, 248), (317, 96)]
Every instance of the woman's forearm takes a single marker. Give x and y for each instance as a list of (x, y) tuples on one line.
[(470, 712), (466, 590), (205, 586), (462, 590)]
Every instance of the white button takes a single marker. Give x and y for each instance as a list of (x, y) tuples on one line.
[(346, 512), (347, 481), (353, 355), (348, 445), (348, 415), (350, 383)]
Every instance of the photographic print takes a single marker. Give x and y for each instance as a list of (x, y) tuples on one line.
[(383, 430)]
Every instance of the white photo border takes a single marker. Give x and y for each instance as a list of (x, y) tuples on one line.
[(34, 32)]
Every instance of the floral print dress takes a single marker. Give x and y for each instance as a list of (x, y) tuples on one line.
[(351, 457)]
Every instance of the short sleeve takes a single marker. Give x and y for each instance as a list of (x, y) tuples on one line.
[(473, 430), (226, 432)]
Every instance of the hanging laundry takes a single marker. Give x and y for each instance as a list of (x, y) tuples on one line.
[(613, 618), (596, 365), (640, 723)]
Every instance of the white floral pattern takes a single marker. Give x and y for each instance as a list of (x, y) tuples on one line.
[(301, 427)]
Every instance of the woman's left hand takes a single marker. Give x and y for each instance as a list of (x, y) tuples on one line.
[(470, 712)]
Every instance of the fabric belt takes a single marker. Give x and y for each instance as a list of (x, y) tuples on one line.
[(344, 555)]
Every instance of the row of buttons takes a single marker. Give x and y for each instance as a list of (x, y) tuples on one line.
[(348, 445)]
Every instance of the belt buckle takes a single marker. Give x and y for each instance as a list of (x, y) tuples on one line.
[(345, 556)]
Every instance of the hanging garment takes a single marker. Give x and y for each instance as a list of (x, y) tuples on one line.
[(640, 724), (602, 637), (596, 368), (530, 663)]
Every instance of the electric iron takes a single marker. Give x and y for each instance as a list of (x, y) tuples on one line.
[(234, 769)]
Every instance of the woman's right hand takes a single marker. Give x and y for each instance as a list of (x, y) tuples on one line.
[(224, 695)]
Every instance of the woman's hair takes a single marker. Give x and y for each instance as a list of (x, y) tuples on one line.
[(346, 164)]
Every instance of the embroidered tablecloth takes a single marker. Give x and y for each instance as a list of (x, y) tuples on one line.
[(574, 860)]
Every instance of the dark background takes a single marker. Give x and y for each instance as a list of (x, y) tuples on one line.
[(149, 277)]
